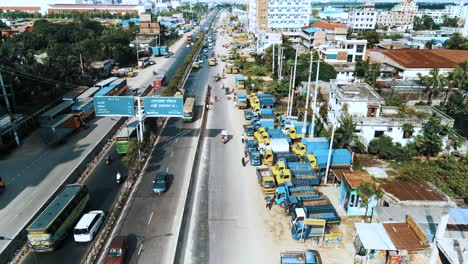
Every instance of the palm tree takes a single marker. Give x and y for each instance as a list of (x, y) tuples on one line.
[(408, 130), (454, 79), (429, 44), (434, 83), (368, 191), (344, 135)]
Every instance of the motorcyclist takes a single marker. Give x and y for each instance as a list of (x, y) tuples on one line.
[(118, 176), (108, 159)]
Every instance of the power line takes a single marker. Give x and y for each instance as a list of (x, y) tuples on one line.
[(35, 77)]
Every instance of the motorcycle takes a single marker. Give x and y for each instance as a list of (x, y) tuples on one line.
[(224, 136), (108, 160), (118, 176)]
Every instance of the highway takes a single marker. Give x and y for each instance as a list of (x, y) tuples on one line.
[(101, 182), (152, 222)]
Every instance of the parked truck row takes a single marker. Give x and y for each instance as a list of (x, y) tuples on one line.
[(289, 162)]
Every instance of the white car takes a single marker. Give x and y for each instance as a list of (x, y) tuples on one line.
[(88, 226), (188, 45)]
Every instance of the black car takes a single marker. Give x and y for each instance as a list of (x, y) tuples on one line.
[(160, 183)]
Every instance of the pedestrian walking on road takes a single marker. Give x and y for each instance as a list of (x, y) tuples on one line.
[(270, 204), (243, 138)]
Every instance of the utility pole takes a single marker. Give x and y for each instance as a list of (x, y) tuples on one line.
[(315, 97), (304, 124), (273, 61), (280, 72), (293, 82), (81, 63), (329, 153), (289, 92), (10, 111)]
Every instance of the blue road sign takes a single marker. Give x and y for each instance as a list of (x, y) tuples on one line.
[(114, 106), (164, 106)]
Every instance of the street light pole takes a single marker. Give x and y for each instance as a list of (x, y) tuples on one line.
[(304, 124), (19, 240)]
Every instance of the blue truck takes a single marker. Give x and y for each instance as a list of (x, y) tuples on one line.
[(278, 134), (285, 193), (301, 257)]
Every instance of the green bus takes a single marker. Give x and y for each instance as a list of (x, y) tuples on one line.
[(47, 231), (124, 136), (189, 109)]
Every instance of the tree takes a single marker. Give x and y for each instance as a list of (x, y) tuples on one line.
[(434, 83), (394, 100), (372, 37), (450, 22), (133, 152), (424, 23), (368, 191), (429, 142), (344, 135), (408, 130), (455, 106), (361, 69), (429, 44), (454, 79), (373, 74), (456, 41)]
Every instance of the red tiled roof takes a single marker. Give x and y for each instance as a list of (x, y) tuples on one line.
[(427, 58), (329, 26), (21, 8)]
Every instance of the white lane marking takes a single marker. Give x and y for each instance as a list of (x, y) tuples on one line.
[(167, 169), (151, 217), (139, 250), (177, 139), (172, 154)]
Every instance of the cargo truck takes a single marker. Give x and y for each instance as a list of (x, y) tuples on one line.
[(286, 192), (308, 145), (301, 257), (261, 136), (189, 39), (240, 82), (266, 180), (323, 209), (278, 134), (241, 98), (212, 62)]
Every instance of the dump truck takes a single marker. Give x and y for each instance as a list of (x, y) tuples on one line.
[(306, 202), (301, 257), (286, 192), (266, 180), (308, 145), (269, 157), (278, 134), (261, 136), (241, 98), (302, 171), (240, 82), (322, 209)]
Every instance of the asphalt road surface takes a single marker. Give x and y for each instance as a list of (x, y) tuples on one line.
[(102, 183), (152, 221)]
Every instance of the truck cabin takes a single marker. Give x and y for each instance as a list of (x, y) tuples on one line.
[(269, 184), (267, 157), (298, 214), (293, 134), (278, 168), (284, 176), (312, 160), (299, 149)]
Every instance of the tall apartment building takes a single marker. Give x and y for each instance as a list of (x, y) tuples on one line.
[(281, 17), (401, 17), (453, 11), (363, 18)]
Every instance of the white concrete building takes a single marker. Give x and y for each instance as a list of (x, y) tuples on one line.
[(252, 17), (372, 118), (465, 28), (334, 15), (343, 51), (401, 17), (363, 18), (458, 10), (266, 39)]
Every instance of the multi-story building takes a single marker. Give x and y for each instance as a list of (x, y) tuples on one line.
[(372, 118), (319, 33), (252, 16), (343, 51), (279, 16), (401, 17), (453, 11), (363, 18), (465, 28)]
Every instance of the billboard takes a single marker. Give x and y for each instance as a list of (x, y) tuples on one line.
[(114, 106), (164, 106)]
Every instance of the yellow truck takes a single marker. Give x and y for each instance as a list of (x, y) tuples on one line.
[(280, 172), (212, 62), (293, 133), (223, 57), (261, 136), (266, 180), (299, 149)]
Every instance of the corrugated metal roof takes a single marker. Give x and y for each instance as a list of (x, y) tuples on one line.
[(413, 191), (427, 58), (403, 237), (374, 236)]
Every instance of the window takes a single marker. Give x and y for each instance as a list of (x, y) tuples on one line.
[(358, 57), (360, 48), (331, 56), (378, 134), (389, 129), (350, 58)]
